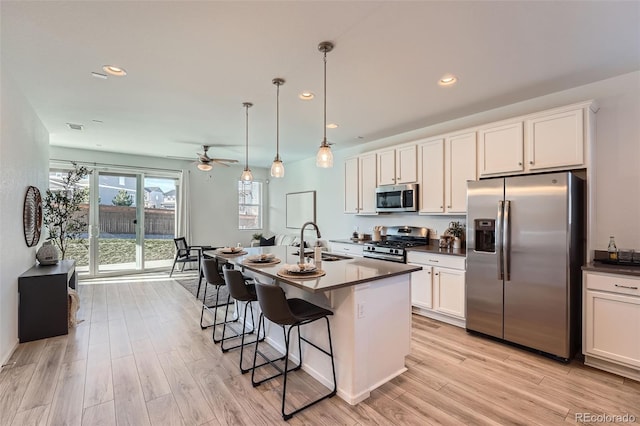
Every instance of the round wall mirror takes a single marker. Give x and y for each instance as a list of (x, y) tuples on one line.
[(32, 216)]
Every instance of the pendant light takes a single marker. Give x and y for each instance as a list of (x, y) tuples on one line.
[(324, 158), (246, 174), (277, 168)]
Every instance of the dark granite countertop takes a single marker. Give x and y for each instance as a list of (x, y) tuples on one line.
[(612, 269), (341, 273)]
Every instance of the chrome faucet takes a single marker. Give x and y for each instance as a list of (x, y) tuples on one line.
[(302, 239)]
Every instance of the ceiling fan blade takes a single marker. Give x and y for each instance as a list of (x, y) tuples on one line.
[(219, 160)]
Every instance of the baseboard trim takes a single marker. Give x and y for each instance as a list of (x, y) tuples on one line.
[(7, 356)]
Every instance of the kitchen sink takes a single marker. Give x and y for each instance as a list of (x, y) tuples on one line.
[(332, 257)]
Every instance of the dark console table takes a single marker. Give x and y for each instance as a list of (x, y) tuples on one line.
[(44, 300)]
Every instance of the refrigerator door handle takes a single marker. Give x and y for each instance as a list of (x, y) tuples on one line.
[(499, 240), (506, 240)]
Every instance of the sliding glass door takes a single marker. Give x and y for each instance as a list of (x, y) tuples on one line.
[(131, 218), (118, 237)]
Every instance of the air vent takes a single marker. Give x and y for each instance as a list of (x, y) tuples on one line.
[(75, 126)]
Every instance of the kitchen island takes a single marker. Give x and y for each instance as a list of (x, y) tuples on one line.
[(371, 323)]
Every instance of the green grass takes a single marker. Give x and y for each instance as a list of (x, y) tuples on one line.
[(115, 250)]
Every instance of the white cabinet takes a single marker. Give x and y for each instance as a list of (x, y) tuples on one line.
[(397, 166), (448, 291), (346, 249), (351, 180), (438, 290), (501, 149), (556, 140), (367, 184), (431, 159), (549, 140), (460, 167), (446, 164), (421, 287), (611, 323), (360, 184)]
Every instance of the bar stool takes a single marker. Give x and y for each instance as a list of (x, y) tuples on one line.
[(211, 270), (293, 313), (241, 292)]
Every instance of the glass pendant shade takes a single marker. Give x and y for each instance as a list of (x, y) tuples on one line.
[(324, 158), (277, 168), (246, 175), (204, 167)]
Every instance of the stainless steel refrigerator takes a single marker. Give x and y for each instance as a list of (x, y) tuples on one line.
[(525, 248)]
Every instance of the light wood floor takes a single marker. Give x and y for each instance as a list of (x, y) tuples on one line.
[(139, 357)]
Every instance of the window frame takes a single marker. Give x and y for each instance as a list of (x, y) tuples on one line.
[(259, 205)]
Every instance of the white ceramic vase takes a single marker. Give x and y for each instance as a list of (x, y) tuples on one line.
[(47, 254), (457, 243)]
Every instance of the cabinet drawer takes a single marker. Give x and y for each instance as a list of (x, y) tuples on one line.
[(441, 260), (346, 248), (613, 283)]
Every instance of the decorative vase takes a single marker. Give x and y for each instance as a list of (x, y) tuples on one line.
[(47, 254), (457, 243)]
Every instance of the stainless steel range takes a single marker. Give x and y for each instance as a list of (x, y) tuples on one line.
[(397, 240)]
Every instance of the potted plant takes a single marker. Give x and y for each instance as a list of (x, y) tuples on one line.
[(256, 237), (61, 208), (456, 230)]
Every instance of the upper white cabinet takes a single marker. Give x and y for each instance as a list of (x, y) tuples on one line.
[(431, 156), (397, 166), (549, 140), (446, 164), (351, 183), (360, 184), (556, 140), (501, 149), (460, 167), (367, 184)]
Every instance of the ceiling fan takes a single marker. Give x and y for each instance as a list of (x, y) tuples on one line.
[(204, 161)]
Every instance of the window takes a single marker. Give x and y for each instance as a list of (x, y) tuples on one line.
[(249, 205)]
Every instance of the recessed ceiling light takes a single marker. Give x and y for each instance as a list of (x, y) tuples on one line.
[(447, 80), (306, 96), (332, 126), (113, 70), (73, 126), (99, 75)]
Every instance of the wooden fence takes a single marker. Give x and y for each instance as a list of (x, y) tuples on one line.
[(119, 220)]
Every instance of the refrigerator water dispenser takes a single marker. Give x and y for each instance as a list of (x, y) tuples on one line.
[(485, 235)]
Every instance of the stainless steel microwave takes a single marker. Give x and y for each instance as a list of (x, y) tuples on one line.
[(397, 198)]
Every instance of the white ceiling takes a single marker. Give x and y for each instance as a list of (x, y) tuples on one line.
[(191, 65)]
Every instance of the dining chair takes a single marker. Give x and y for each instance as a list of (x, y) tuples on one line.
[(183, 254)]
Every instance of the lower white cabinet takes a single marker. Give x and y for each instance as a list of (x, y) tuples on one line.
[(448, 291), (438, 290), (611, 323), (346, 249)]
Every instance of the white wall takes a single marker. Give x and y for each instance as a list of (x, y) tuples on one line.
[(214, 212), (24, 161), (213, 195), (617, 167)]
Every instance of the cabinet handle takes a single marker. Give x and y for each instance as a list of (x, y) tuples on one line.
[(436, 274), (440, 206), (626, 286), (429, 273), (448, 207), (520, 164), (434, 261), (530, 162)]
